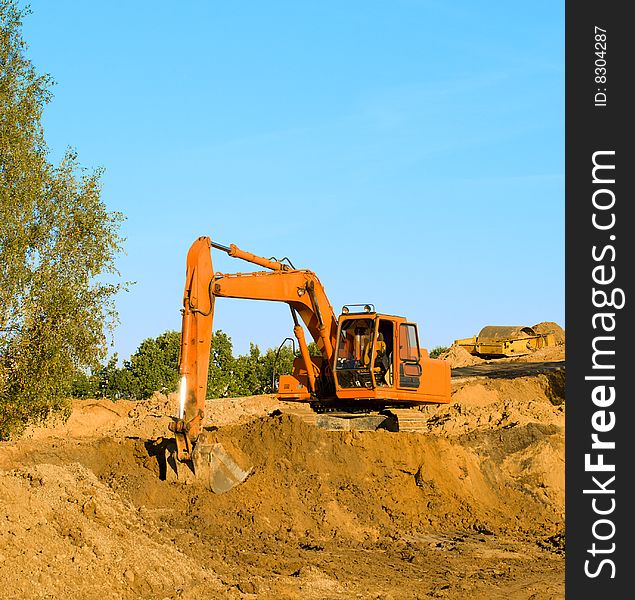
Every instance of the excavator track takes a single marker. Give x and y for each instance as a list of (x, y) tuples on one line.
[(400, 419)]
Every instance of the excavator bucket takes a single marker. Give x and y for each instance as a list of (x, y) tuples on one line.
[(211, 466), (216, 469)]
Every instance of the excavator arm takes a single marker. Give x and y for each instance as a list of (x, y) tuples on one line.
[(300, 289)]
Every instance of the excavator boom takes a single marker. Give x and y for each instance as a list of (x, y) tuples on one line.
[(300, 289)]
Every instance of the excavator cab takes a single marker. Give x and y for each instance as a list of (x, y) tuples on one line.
[(354, 350), (378, 358), (364, 354)]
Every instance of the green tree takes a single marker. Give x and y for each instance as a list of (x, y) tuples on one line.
[(85, 385), (278, 361), (248, 373), (57, 249), (116, 382), (260, 371), (221, 380), (154, 367), (313, 349), (437, 351)]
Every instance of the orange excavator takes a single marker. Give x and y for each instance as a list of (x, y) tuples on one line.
[(368, 361)]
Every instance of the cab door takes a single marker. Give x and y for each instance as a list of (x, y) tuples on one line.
[(409, 357)]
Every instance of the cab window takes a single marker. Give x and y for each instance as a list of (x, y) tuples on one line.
[(355, 344), (408, 343)]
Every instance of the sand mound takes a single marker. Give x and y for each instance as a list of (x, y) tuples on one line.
[(551, 327), (549, 354), (475, 498), (145, 418), (69, 535), (494, 404), (458, 356), (363, 486)]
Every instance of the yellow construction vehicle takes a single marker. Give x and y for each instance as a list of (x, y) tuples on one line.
[(495, 341)]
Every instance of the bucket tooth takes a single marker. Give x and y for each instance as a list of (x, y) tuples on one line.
[(176, 470)]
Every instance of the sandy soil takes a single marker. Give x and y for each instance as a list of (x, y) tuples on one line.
[(470, 505)]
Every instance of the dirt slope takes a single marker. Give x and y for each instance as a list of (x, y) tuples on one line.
[(471, 505)]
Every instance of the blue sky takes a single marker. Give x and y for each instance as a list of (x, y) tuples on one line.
[(411, 153)]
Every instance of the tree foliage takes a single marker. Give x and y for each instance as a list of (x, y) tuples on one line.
[(257, 372), (154, 368), (221, 381), (437, 351), (57, 248)]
